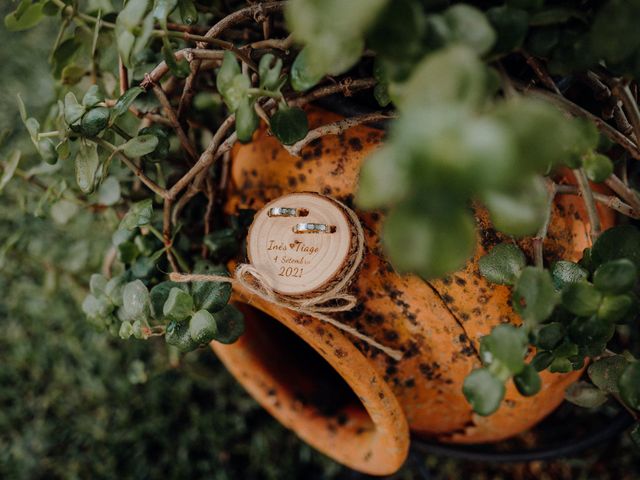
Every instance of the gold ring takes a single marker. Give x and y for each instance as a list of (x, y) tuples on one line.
[(314, 228), (287, 212)]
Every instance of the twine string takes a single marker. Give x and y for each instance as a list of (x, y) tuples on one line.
[(335, 299)]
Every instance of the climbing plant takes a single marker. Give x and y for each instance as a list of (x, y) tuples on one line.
[(484, 102)]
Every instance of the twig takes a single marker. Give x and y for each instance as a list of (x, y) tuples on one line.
[(587, 197), (624, 191), (244, 14), (346, 87), (137, 171), (171, 114), (277, 43), (610, 201), (186, 53), (207, 158), (166, 233), (541, 73), (188, 91), (538, 240), (622, 91), (124, 76), (336, 128)]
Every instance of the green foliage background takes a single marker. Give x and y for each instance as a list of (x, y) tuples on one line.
[(75, 403)]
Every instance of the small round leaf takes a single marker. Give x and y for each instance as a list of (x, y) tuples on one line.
[(289, 125), (202, 327), (483, 391), (616, 276), (503, 264)]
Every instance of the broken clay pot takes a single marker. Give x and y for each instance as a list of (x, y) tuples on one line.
[(346, 399)]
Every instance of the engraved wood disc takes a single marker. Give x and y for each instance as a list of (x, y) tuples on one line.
[(300, 263)]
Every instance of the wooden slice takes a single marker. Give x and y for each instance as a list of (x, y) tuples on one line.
[(300, 263)]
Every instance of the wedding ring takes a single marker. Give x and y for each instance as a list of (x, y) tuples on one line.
[(314, 228), (287, 212)]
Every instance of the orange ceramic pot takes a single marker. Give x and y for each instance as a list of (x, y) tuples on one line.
[(350, 401)]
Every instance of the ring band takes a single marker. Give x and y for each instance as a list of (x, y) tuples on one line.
[(287, 212), (314, 228)]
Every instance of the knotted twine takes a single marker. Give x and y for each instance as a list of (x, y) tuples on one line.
[(335, 299)]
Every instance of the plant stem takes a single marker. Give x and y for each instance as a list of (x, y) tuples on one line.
[(589, 203), (336, 128), (538, 240), (137, 171)]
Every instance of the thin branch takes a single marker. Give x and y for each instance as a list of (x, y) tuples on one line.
[(276, 43), (166, 233), (171, 114), (207, 158), (622, 91), (624, 191), (186, 53), (337, 128), (137, 171), (610, 201), (346, 87), (541, 73), (538, 240), (587, 197), (247, 13)]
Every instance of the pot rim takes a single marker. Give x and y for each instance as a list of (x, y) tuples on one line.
[(381, 444)]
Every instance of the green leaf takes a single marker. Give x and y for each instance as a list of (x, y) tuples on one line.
[(528, 381), (124, 102), (616, 276), (305, 73), (177, 334), (414, 241), (24, 18), (289, 125), (140, 145), (542, 360), (94, 121), (247, 120), (581, 299), (383, 180), (483, 391), (212, 296), (135, 300), (98, 284), (96, 307), (230, 322), (139, 214), (550, 335), (202, 327), (178, 306), (470, 27), (188, 11), (613, 33), (564, 272), (398, 30), (615, 308), (622, 241), (629, 385), (92, 97), (237, 93), (519, 210), (269, 71), (180, 68), (511, 26), (9, 168), (534, 297), (505, 344), (127, 252), (72, 74), (73, 111), (598, 167), (229, 70), (159, 295), (585, 395), (126, 330), (591, 332), (606, 372), (502, 264), (163, 147), (109, 192), (451, 75), (222, 244), (87, 163), (162, 9)]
